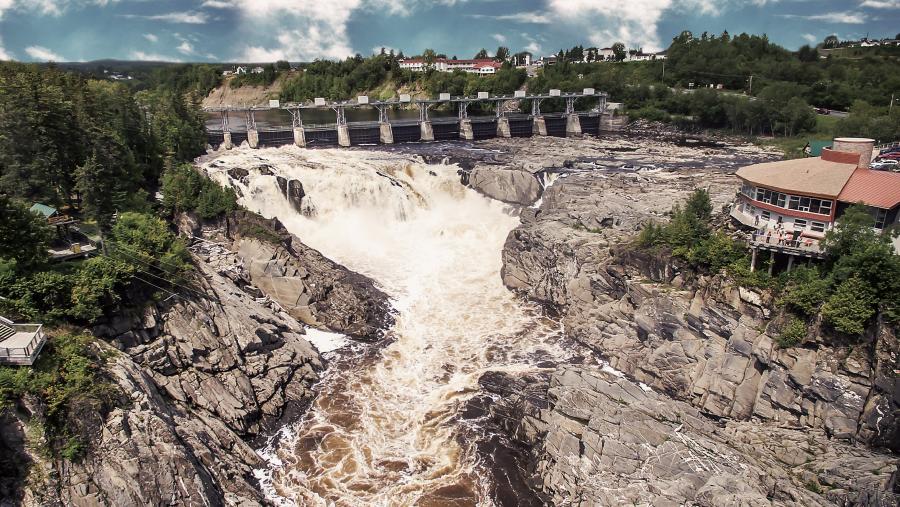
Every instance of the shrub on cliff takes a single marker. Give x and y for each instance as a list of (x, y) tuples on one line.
[(851, 306), (185, 189), (74, 394), (805, 290)]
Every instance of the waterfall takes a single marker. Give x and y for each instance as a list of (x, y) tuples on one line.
[(383, 432)]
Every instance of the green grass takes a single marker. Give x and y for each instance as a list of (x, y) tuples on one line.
[(792, 147)]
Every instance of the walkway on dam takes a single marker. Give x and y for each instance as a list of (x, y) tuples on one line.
[(507, 121)]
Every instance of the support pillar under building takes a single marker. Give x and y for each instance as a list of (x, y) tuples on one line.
[(226, 140), (385, 133), (539, 127), (573, 126), (253, 138), (753, 260), (503, 127), (343, 135), (771, 263), (465, 129), (300, 137), (427, 131)]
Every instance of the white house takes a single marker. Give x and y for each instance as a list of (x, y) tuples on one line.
[(257, 70), (605, 54), (240, 70)]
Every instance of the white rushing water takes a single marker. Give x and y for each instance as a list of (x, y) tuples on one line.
[(384, 431)]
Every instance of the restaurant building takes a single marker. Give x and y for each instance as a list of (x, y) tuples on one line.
[(791, 204)]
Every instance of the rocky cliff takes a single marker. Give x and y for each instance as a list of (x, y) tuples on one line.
[(700, 340), (597, 438), (209, 368)]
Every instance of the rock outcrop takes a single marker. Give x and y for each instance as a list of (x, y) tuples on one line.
[(596, 438), (700, 340), (507, 184), (308, 285), (205, 373)]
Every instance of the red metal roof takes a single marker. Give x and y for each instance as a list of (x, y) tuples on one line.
[(880, 189)]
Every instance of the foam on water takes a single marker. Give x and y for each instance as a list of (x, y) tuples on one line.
[(384, 431)]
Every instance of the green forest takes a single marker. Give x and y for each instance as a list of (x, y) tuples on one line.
[(97, 151)]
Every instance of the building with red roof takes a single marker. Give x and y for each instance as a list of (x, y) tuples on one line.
[(480, 66), (792, 203)]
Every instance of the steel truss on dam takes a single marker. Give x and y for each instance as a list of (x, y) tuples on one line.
[(505, 122)]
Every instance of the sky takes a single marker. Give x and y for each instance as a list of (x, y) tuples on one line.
[(303, 30)]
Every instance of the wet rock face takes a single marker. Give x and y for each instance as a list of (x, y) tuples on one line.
[(601, 439), (309, 286)]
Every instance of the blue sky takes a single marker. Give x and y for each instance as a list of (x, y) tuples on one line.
[(300, 30)]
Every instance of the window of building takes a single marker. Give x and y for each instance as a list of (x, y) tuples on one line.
[(799, 224), (880, 218), (765, 215), (794, 202), (817, 227)]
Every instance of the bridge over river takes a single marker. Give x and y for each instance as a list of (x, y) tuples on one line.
[(397, 120)]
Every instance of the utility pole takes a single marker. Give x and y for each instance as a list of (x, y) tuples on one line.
[(891, 107), (664, 71), (751, 85)]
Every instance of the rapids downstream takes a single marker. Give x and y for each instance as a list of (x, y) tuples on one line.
[(384, 429)]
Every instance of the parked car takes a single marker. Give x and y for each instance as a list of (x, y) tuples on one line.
[(886, 164), (893, 149), (895, 155)]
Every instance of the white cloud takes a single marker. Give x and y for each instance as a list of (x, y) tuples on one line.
[(537, 18), (633, 22), (499, 37), (48, 7), (534, 48), (187, 17), (810, 38), (152, 38), (185, 48), (881, 4), (850, 18), (305, 30), (43, 54), (217, 4), (151, 57), (4, 55)]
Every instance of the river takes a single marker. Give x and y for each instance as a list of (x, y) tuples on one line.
[(385, 427)]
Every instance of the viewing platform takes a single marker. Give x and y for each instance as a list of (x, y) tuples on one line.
[(20, 344)]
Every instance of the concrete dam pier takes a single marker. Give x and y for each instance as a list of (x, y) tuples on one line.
[(507, 120)]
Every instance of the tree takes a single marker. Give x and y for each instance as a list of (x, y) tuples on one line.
[(502, 53), (429, 56), (145, 240), (618, 51), (807, 54), (23, 235), (481, 55), (831, 42), (851, 306), (285, 65)]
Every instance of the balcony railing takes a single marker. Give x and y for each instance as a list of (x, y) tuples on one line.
[(785, 242), (23, 354)]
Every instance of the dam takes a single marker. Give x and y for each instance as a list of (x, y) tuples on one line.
[(446, 118)]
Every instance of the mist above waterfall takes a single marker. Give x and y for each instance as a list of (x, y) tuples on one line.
[(383, 432)]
